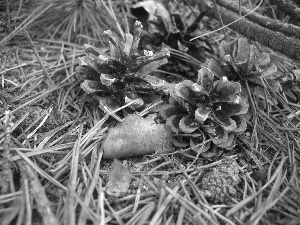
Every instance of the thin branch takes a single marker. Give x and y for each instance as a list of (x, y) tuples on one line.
[(275, 25), (289, 7), (274, 40)]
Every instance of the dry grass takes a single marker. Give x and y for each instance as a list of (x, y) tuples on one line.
[(52, 168)]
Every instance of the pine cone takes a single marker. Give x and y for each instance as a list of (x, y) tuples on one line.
[(218, 185)]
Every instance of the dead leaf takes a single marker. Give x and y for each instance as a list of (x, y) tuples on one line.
[(153, 8), (156, 9), (119, 180), (136, 136)]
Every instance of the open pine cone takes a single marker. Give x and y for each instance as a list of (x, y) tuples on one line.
[(122, 75), (247, 65), (215, 107)]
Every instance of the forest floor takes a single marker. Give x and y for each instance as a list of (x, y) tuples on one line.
[(53, 168)]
